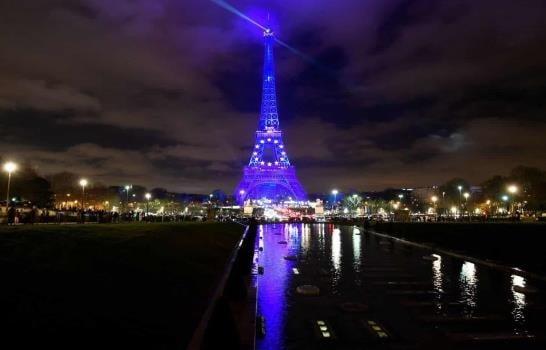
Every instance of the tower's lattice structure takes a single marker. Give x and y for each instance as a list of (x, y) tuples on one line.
[(269, 173)]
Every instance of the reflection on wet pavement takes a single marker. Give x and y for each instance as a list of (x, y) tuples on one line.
[(379, 294)]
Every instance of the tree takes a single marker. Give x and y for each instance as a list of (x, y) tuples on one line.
[(532, 186), (352, 202), (494, 187), (27, 185), (450, 194)]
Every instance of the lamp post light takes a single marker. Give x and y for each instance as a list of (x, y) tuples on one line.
[(147, 196), (466, 195), (242, 196), (9, 168), (400, 198), (434, 199), (505, 199), (460, 188), (83, 183), (334, 192), (513, 190), (127, 189)]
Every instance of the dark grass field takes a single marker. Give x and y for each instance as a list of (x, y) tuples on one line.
[(140, 286), (513, 244)]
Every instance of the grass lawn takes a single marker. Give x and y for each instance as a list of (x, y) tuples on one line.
[(108, 286)]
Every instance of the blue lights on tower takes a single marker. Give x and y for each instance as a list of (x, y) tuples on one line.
[(269, 173)]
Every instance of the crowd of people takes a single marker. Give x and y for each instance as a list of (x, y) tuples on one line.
[(34, 215)]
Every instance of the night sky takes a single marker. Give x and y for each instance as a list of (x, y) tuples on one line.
[(167, 92)]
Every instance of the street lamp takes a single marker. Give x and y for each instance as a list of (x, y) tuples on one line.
[(148, 196), (9, 167), (83, 183), (460, 188), (513, 189), (127, 189), (434, 199), (334, 192)]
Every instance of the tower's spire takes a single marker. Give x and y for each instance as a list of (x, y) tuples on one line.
[(269, 117)]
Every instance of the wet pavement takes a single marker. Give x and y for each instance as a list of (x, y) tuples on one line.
[(379, 294)]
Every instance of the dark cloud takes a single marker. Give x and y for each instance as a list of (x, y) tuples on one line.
[(167, 93)]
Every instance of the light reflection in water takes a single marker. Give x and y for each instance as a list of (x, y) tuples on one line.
[(356, 251), (519, 302), (437, 279), (336, 249), (321, 236), (272, 285), (306, 236), (469, 286), (356, 256), (261, 235)]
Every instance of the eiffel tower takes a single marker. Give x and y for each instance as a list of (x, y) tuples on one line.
[(269, 174)]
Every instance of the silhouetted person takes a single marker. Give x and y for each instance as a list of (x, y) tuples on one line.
[(11, 215), (32, 215)]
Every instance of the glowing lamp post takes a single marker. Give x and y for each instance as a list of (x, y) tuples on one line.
[(334, 192), (460, 188), (9, 168), (434, 199), (241, 196), (147, 196), (466, 195), (127, 189), (83, 183), (400, 197), (513, 190)]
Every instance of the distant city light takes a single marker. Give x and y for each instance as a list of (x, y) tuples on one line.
[(83, 182), (434, 199), (335, 192), (148, 196), (466, 195), (504, 198)]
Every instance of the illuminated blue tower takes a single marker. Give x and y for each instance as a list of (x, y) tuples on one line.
[(269, 173)]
